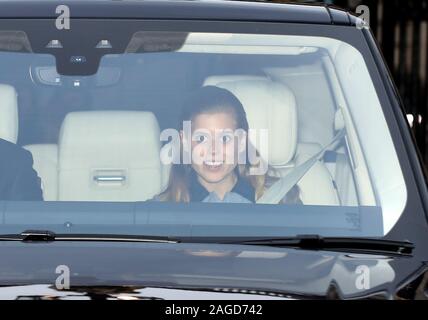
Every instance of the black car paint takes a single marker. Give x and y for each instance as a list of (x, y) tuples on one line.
[(176, 265), (219, 268), (181, 10)]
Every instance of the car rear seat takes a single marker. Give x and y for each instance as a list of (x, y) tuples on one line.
[(109, 156), (98, 146)]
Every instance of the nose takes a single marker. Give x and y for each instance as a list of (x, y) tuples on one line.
[(216, 150)]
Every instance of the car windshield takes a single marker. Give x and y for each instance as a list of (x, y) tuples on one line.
[(141, 129)]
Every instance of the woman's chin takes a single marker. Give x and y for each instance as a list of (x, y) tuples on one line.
[(213, 178), (213, 174)]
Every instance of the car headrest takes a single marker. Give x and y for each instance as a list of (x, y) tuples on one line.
[(8, 113), (109, 155), (270, 106)]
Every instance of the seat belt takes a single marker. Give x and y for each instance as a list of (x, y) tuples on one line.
[(281, 187)]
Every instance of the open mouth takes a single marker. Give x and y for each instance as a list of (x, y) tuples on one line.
[(213, 165)]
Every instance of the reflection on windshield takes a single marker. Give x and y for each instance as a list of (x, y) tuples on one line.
[(258, 122)]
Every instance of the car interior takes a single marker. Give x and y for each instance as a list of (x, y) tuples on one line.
[(88, 148), (97, 137)]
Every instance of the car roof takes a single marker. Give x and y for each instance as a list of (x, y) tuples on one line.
[(180, 9)]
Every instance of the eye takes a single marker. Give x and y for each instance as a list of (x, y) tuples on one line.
[(226, 138), (200, 138)]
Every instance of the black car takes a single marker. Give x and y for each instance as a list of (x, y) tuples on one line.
[(203, 150)]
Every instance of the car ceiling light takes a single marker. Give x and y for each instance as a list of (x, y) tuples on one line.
[(104, 44), (54, 44)]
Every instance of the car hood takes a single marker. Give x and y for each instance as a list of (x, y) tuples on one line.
[(181, 271)]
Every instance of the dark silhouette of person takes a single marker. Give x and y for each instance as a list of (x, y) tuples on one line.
[(18, 180)]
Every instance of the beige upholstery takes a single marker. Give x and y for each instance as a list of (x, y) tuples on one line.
[(45, 158), (317, 186), (8, 113), (109, 156), (269, 106)]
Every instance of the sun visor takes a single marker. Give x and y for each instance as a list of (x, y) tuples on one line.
[(154, 41)]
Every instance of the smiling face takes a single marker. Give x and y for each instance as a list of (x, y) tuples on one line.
[(215, 148)]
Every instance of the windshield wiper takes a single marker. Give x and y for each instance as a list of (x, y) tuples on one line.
[(316, 242), (308, 242), (49, 236)]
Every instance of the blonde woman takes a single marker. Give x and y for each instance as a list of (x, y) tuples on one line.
[(216, 115)]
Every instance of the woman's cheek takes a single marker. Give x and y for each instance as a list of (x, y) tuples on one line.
[(198, 153), (230, 153)]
